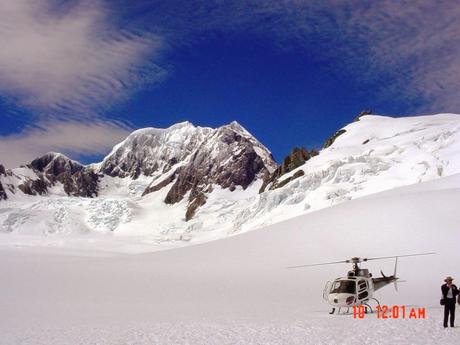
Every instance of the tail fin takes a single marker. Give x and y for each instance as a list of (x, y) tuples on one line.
[(396, 266)]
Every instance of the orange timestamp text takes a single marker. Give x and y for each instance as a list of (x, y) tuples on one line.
[(391, 312)]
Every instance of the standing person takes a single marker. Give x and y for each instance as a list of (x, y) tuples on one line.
[(449, 292)]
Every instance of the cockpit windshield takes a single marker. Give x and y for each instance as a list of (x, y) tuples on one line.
[(344, 286)]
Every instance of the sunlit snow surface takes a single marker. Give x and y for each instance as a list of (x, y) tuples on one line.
[(238, 290), (376, 153)]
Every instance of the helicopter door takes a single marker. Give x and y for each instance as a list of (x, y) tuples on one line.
[(362, 290)]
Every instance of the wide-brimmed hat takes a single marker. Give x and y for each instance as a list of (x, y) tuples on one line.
[(448, 278)]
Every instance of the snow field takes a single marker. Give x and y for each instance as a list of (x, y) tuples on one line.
[(238, 290)]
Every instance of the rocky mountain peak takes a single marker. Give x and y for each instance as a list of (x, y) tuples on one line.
[(55, 164), (237, 127), (152, 150), (51, 168), (227, 156)]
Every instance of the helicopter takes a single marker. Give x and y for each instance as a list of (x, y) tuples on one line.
[(358, 287)]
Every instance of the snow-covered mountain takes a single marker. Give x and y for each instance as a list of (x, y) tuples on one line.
[(188, 183), (370, 155), (186, 160)]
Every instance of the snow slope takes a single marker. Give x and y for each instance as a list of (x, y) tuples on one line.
[(238, 290), (376, 153)]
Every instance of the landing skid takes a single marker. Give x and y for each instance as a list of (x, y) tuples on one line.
[(367, 306), (339, 312)]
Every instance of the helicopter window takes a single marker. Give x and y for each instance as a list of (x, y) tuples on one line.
[(344, 286), (362, 284), (363, 295)]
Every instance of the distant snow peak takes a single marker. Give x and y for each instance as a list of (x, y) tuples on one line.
[(55, 163), (185, 159), (227, 156), (192, 184)]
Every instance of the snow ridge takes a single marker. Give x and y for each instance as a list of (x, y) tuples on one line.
[(374, 154)]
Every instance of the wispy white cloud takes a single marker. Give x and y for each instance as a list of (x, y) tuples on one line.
[(67, 64), (62, 60), (418, 45), (69, 137), (405, 50)]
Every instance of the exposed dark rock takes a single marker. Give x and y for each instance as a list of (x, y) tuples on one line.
[(55, 164), (76, 179), (169, 165), (156, 187), (4, 172), (3, 195), (287, 180), (193, 206), (227, 158), (34, 187), (296, 158), (364, 112), (2, 190), (331, 140), (82, 183)]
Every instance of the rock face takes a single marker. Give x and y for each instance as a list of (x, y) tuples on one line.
[(331, 140), (76, 179), (55, 164), (296, 158), (44, 172), (151, 151), (3, 195), (34, 187), (227, 156)]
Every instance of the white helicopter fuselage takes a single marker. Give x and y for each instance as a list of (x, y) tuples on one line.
[(349, 291)]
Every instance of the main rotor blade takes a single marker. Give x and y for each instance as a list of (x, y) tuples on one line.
[(325, 263), (396, 256), (364, 259)]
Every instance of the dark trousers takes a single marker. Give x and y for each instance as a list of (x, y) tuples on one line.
[(449, 308)]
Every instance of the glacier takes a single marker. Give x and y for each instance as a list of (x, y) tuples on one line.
[(374, 154)]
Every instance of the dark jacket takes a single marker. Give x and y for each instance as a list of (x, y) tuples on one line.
[(445, 289)]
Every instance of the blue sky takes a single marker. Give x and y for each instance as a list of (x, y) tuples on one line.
[(78, 76)]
